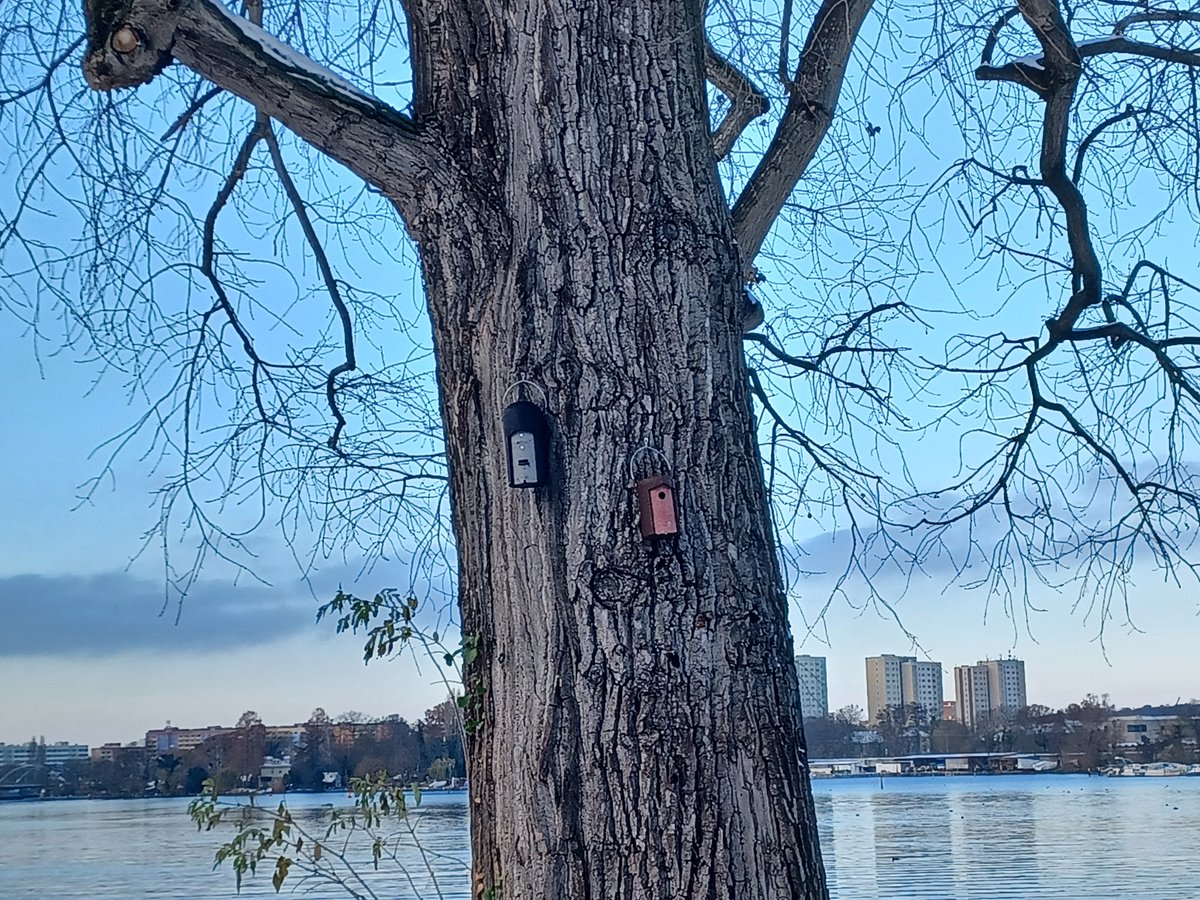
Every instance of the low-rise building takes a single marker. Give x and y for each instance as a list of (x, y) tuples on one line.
[(54, 755), (273, 771), (114, 751), (1128, 732), (177, 741)]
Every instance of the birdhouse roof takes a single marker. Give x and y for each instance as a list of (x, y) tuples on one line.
[(653, 481)]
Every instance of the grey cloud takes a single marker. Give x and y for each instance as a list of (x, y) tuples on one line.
[(106, 614), (967, 552)]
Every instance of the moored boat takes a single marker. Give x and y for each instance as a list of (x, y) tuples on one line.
[(1157, 769)]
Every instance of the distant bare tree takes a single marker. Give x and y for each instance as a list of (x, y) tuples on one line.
[(248, 719)]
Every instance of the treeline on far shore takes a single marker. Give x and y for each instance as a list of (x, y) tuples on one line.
[(324, 753), (1087, 735)]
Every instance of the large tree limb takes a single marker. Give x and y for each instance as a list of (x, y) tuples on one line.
[(129, 44), (1059, 52), (1119, 44), (1031, 71), (813, 97), (1062, 63), (747, 101)]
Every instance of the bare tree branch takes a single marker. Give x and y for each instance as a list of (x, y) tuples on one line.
[(1155, 15), (785, 36), (1058, 48), (813, 95), (989, 45), (1081, 152), (331, 286), (186, 116), (370, 138), (1055, 76), (1112, 385)]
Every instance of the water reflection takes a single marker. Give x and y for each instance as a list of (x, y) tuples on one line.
[(960, 837), (924, 841), (1011, 838)]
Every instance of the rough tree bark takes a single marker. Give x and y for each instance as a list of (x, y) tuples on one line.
[(638, 729)]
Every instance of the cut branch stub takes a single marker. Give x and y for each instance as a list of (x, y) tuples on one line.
[(125, 40), (128, 42)]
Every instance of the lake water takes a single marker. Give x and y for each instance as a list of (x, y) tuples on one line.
[(999, 838)]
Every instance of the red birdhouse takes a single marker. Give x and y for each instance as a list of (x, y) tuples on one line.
[(656, 504)]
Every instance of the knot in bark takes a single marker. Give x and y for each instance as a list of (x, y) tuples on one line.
[(128, 42)]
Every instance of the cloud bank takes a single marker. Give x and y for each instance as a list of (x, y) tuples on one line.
[(102, 615)]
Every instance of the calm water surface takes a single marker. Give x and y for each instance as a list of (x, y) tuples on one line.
[(993, 838)]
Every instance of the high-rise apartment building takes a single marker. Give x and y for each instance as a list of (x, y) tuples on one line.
[(988, 688), (883, 683), (921, 683), (971, 694), (902, 680), (1006, 681), (814, 686)]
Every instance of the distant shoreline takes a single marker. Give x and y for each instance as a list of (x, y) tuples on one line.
[(260, 795)]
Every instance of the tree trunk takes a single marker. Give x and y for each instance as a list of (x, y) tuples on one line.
[(634, 719), (635, 725)]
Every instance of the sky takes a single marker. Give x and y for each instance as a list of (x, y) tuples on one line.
[(89, 654), (91, 650)]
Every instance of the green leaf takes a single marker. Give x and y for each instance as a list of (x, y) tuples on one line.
[(281, 870)]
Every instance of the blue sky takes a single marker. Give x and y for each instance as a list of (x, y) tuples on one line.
[(89, 646), (87, 652)]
